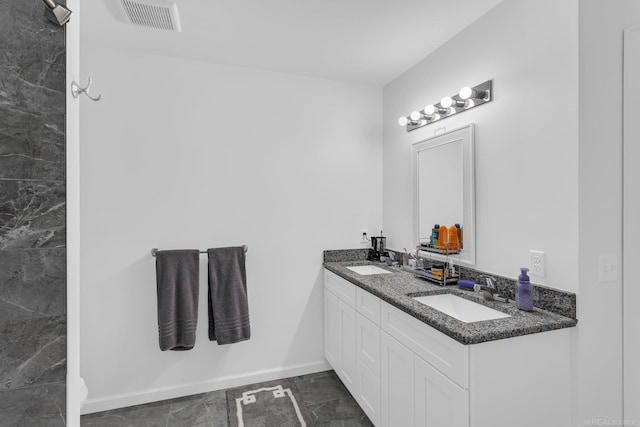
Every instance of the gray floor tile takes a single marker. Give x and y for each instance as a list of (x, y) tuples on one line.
[(209, 409), (326, 398), (321, 387), (338, 413)]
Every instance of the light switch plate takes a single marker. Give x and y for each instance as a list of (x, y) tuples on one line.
[(607, 268)]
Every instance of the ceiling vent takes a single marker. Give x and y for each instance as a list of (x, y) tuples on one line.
[(152, 14)]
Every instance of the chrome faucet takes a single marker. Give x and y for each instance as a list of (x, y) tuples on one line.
[(490, 289)]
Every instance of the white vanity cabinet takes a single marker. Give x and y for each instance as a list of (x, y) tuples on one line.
[(340, 328), (396, 375), (402, 372), (368, 354), (414, 392)]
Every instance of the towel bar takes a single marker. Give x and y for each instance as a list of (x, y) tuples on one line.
[(154, 250)]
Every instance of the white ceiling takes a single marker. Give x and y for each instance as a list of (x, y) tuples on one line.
[(366, 41)]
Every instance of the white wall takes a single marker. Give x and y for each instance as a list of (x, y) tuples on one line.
[(631, 213), (183, 154), (572, 160), (526, 138), (599, 342)]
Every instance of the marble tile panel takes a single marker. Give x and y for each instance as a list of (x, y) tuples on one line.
[(32, 145), (320, 387), (33, 63), (24, 329), (32, 351), (32, 214), (42, 406), (32, 283)]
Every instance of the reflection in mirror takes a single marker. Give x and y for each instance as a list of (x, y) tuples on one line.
[(444, 192)]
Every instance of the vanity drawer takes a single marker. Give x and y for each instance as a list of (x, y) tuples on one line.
[(368, 343), (445, 354), (342, 288), (368, 305)]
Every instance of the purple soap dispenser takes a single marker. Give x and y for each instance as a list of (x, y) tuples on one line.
[(524, 291)]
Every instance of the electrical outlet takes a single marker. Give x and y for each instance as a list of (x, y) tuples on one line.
[(607, 268), (364, 235), (537, 264)]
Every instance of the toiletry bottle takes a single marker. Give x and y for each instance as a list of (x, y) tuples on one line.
[(452, 238), (436, 235), (460, 239), (443, 237), (524, 291), (452, 269)]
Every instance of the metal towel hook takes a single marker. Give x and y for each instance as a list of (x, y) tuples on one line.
[(76, 90)]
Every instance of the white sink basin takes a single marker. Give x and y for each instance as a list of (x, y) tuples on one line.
[(461, 308), (367, 270)]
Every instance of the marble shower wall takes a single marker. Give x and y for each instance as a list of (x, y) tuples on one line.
[(32, 217)]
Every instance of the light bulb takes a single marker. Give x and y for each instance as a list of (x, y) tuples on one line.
[(403, 121), (452, 111), (415, 116), (429, 110), (469, 103), (446, 102), (466, 92), (436, 117)]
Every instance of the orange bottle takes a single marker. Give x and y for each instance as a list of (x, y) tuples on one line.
[(452, 238), (460, 236), (443, 237)]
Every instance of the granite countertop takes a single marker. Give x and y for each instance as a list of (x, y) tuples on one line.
[(395, 289)]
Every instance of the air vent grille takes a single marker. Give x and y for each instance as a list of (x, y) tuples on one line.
[(161, 17)]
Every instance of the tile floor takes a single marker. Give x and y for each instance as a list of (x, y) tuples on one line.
[(324, 396)]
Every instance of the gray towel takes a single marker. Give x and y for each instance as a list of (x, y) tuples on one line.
[(228, 306), (177, 277)]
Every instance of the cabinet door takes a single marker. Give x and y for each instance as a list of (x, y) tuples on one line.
[(396, 383), (439, 402), (368, 346), (332, 329), (368, 396), (348, 356)]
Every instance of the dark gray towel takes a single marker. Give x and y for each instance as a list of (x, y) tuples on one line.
[(177, 277), (228, 305)]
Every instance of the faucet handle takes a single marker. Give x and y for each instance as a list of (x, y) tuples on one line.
[(490, 281)]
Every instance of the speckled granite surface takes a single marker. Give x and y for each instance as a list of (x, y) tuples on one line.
[(545, 298), (345, 255), (399, 288)]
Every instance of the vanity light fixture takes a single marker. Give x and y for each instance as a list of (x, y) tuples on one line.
[(430, 110), (466, 99), (472, 93), (448, 101)]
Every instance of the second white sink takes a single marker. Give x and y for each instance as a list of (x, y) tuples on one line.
[(367, 270), (461, 308)]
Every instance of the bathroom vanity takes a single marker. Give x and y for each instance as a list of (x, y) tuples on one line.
[(408, 364)]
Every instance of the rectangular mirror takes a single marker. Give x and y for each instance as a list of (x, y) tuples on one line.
[(444, 189)]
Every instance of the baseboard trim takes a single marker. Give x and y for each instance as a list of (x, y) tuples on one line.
[(154, 395)]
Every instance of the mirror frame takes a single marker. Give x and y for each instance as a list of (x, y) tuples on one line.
[(465, 133)]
